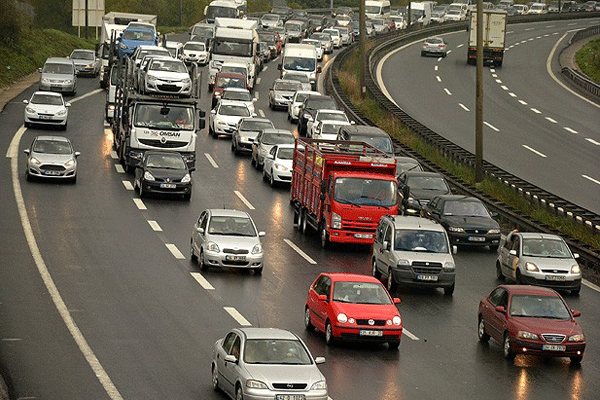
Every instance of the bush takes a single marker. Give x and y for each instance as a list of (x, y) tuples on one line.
[(10, 27)]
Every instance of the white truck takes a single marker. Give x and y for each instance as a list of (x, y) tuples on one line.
[(494, 37), (300, 58), (235, 40), (420, 12), (225, 9)]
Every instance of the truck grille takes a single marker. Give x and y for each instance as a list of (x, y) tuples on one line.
[(171, 144)]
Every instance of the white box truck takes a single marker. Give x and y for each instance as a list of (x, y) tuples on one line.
[(494, 37)]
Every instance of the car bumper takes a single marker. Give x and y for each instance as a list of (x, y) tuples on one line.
[(244, 146), (466, 239), (224, 130), (353, 334), (56, 171), (57, 87), (159, 187), (280, 102), (86, 71), (340, 236), (221, 260), (45, 120), (572, 284), (536, 348), (198, 59), (169, 88), (282, 176), (267, 394), (408, 277)]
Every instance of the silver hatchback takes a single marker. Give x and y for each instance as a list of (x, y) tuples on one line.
[(59, 75), (51, 157), (227, 238)]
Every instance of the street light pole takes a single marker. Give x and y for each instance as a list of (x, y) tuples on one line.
[(363, 47), (479, 97)]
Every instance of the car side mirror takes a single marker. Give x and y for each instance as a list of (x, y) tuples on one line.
[(318, 69), (323, 297), (254, 114), (501, 309), (26, 151), (270, 156), (68, 105), (576, 313), (261, 234), (200, 230), (512, 252), (231, 358), (213, 111), (320, 360), (279, 67), (39, 70), (386, 245), (77, 154), (397, 300), (352, 122), (254, 100), (25, 101)]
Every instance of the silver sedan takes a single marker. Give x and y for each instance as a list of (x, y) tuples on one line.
[(51, 157), (266, 364)]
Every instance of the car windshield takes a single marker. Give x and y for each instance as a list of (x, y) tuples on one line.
[(233, 69), (270, 17), (321, 104), (229, 48), (298, 77), (82, 55), (293, 27), (434, 41), (322, 116), (231, 226), (270, 138), (166, 161), (360, 293), (419, 240), (267, 37), (538, 307), (285, 154), (275, 351), (142, 36), (466, 209), (330, 128), (407, 166), (203, 31), (50, 99), (168, 66), (52, 147), (332, 32), (550, 248), (168, 118), (218, 11), (56, 68), (236, 95), (300, 97), (291, 63), (230, 82), (195, 46), (153, 52), (433, 183), (234, 110), (380, 142), (365, 192), (288, 86), (251, 125)]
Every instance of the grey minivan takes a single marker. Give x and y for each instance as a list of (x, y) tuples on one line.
[(59, 75)]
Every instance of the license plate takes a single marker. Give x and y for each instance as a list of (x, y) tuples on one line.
[(555, 278), (476, 239), (363, 235), (371, 333), (55, 86), (289, 397), (554, 347), (45, 117), (427, 277), (168, 185), (235, 258), (54, 173)]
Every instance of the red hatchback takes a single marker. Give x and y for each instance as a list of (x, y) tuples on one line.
[(353, 307), (530, 320)]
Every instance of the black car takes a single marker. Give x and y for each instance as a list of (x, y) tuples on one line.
[(372, 135), (309, 108), (417, 188), (466, 219), (284, 12), (163, 172)]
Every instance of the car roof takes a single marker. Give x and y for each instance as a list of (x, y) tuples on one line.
[(230, 75), (233, 102), (225, 212), (458, 197), (342, 277), (277, 130), (55, 138), (530, 289), (364, 130), (286, 146), (334, 122), (413, 222), (268, 333), (163, 152), (84, 50), (538, 235), (236, 89), (332, 111), (194, 42), (422, 173), (47, 93), (256, 119), (63, 60)]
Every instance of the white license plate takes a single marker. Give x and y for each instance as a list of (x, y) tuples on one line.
[(555, 278), (554, 347), (289, 397), (168, 185), (363, 235), (427, 277), (371, 333), (53, 173), (235, 258), (476, 239), (45, 117)]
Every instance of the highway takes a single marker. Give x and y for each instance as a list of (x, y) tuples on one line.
[(99, 298)]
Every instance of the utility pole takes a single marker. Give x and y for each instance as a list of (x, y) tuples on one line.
[(363, 48), (86, 19), (479, 97), (180, 12)]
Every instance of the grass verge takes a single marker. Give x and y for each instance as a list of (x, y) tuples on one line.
[(588, 59)]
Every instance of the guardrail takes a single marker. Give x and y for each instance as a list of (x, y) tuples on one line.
[(590, 257), (577, 77)]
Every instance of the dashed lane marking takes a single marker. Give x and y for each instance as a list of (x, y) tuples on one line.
[(498, 81), (235, 314), (256, 95), (535, 110), (175, 251), (523, 102), (460, 45), (534, 151), (113, 155), (210, 160), (511, 94), (492, 127), (257, 81), (438, 78), (551, 120), (589, 178), (504, 87), (570, 130), (447, 92), (140, 204), (202, 281), (119, 168), (463, 107), (592, 141), (410, 335), (244, 200), (299, 251), (436, 68), (261, 113), (154, 225), (128, 185)]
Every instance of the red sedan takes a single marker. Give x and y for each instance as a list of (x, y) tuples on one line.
[(353, 307), (530, 320)]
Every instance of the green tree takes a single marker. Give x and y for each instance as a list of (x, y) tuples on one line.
[(10, 26)]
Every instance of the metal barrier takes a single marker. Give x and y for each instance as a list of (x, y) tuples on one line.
[(577, 77)]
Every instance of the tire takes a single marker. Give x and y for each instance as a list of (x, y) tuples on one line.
[(28, 176), (203, 265), (375, 272), (518, 279), (193, 255), (271, 179), (448, 291), (481, 334), (258, 271), (215, 378), (296, 218), (576, 360), (508, 353), (187, 196), (252, 161), (307, 324), (390, 283), (264, 174), (499, 274), (239, 395), (324, 236), (394, 345), (210, 131), (329, 339), (304, 224), (423, 54), (141, 190), (575, 292)]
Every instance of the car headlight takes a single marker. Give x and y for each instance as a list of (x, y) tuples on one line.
[(336, 221), (529, 266), (70, 163), (343, 318), (61, 113), (148, 176), (187, 178), (254, 384), (30, 110), (257, 249), (494, 231), (280, 167), (221, 123), (527, 335), (68, 81), (308, 117), (455, 229), (186, 81), (577, 338), (575, 269), (151, 78), (397, 320), (403, 263), (449, 267), (34, 161), (212, 246), (45, 80), (319, 385)]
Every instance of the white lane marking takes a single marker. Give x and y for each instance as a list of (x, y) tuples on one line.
[(175, 251), (299, 251), (591, 179), (12, 340), (447, 92), (93, 92), (523, 41), (570, 130), (546, 35), (572, 23), (435, 68), (551, 120), (106, 124), (119, 168), (140, 204), (463, 107), (265, 68), (114, 155), (261, 113), (591, 285), (57, 299), (244, 200), (534, 151), (493, 70), (511, 94), (535, 110), (440, 58), (202, 281), (258, 80), (235, 314), (528, 29), (510, 32), (438, 78), (410, 335), (530, 39), (592, 141), (523, 102), (491, 126), (556, 33), (154, 225), (504, 87), (128, 185), (549, 26), (13, 148), (498, 81), (459, 46), (494, 75), (449, 51), (210, 160), (538, 37), (256, 95)]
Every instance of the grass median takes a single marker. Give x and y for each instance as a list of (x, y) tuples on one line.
[(588, 59)]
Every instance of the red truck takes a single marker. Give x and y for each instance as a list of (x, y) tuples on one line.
[(342, 189)]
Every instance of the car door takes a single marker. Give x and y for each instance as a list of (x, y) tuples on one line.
[(503, 251), (202, 222), (226, 369), (512, 260), (320, 307), (496, 319), (387, 254), (269, 160), (378, 246), (255, 144)]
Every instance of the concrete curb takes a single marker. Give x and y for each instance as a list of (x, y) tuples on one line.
[(18, 87)]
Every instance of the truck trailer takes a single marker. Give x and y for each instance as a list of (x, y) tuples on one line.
[(494, 37)]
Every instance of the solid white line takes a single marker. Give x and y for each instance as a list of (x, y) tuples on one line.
[(592, 141), (591, 285), (447, 92), (535, 110), (491, 126), (570, 130), (119, 168), (13, 148), (410, 335), (463, 107), (504, 87), (438, 78), (210, 160), (261, 113), (299, 251), (12, 340), (175, 251), (128, 185), (140, 204), (202, 281), (591, 179), (523, 102), (534, 151), (155, 226), (551, 120), (113, 155), (244, 200), (57, 299), (511, 94), (93, 92), (237, 316)]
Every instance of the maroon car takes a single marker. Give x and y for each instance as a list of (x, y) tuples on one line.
[(226, 80), (530, 320)]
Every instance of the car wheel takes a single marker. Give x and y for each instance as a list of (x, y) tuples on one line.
[(390, 283), (324, 236), (193, 255), (141, 190), (215, 378), (375, 271), (448, 291), (232, 146), (28, 176), (423, 54), (481, 334), (307, 324), (264, 174), (203, 265), (518, 278), (304, 223), (271, 179), (238, 393), (508, 353), (210, 130), (187, 196), (329, 339), (499, 274), (576, 360), (575, 292), (394, 345), (252, 161), (296, 218)]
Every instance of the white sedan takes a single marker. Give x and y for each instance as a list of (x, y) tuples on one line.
[(296, 102), (224, 118), (327, 129), (46, 108), (196, 52), (167, 76), (322, 115), (278, 164)]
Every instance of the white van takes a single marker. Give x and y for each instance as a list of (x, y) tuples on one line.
[(420, 12), (377, 8), (300, 58), (538, 8)]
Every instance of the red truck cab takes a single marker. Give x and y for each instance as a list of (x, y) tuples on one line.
[(341, 189)]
